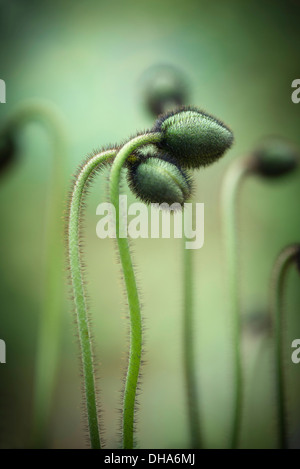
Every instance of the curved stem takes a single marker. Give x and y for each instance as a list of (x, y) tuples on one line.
[(230, 191), (50, 319), (282, 263), (79, 297), (131, 288), (188, 347)]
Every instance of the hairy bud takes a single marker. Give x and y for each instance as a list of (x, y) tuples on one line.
[(193, 137), (156, 180)]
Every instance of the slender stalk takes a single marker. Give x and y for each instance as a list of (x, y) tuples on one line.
[(79, 296), (188, 347), (280, 269), (230, 191), (192, 394), (131, 288), (48, 344)]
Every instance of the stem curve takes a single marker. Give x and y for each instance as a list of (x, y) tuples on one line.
[(285, 258), (230, 191), (79, 296), (131, 288), (44, 112)]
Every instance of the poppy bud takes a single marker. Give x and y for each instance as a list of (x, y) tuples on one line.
[(275, 157), (162, 88), (155, 180), (193, 137)]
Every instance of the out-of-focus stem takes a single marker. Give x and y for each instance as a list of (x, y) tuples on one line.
[(44, 112), (189, 344), (230, 191), (279, 273)]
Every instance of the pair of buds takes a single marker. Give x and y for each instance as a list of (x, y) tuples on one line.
[(192, 139), (158, 173)]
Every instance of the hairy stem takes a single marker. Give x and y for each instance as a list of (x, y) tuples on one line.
[(79, 296), (50, 319), (131, 288), (282, 263), (230, 191)]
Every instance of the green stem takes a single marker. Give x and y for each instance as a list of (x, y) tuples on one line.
[(50, 318), (188, 346), (188, 336), (230, 191), (131, 288), (79, 296), (282, 263)]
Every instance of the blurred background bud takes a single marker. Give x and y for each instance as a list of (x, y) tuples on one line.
[(7, 152), (163, 88), (276, 157)]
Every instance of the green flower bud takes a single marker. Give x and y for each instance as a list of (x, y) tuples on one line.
[(154, 180), (194, 138), (162, 88), (7, 151), (275, 157)]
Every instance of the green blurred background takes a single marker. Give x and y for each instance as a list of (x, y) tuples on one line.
[(239, 59)]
